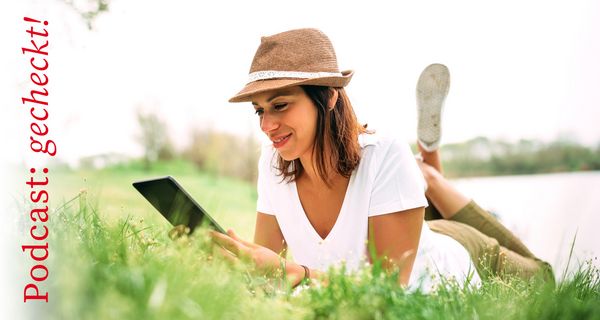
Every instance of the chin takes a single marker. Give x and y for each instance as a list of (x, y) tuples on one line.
[(287, 156)]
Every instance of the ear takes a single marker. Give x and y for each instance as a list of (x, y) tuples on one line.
[(333, 99)]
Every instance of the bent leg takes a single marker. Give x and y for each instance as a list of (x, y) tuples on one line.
[(474, 216), (491, 258), (448, 203), (445, 198), (431, 158), (430, 165), (453, 205)]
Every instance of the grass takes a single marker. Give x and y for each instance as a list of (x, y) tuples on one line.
[(230, 201), (112, 259)]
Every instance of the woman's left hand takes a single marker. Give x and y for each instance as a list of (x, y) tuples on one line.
[(265, 260)]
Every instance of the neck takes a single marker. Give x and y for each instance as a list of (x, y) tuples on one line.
[(311, 175)]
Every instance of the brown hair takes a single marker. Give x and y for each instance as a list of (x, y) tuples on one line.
[(337, 130)]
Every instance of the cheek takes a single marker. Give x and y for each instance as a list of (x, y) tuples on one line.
[(312, 123), (303, 123), (303, 120)]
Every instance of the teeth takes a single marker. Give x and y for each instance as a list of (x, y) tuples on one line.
[(280, 139)]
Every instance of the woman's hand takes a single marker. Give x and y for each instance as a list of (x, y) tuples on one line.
[(265, 260)]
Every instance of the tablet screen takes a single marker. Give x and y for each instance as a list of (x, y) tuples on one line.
[(174, 203)]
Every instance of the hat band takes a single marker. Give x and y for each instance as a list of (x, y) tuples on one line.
[(272, 74)]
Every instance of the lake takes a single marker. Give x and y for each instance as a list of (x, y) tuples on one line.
[(546, 211)]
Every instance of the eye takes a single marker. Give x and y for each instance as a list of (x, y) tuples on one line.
[(280, 106), (258, 112)]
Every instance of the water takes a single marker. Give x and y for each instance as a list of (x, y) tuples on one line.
[(546, 211)]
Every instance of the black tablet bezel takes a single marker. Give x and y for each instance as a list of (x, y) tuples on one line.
[(139, 186)]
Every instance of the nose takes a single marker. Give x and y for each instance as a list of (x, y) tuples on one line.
[(268, 123)]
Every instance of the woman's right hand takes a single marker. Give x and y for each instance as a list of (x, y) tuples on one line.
[(265, 260)]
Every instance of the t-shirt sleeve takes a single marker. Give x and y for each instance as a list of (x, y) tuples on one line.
[(264, 181), (399, 184)]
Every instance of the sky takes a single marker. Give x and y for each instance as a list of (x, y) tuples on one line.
[(519, 69)]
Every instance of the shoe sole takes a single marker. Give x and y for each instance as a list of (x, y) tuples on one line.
[(432, 89)]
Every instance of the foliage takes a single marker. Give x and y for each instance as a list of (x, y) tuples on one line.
[(131, 270), (482, 156), (222, 153), (213, 152), (231, 201), (154, 138), (89, 9)]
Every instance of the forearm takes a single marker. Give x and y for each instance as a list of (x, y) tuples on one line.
[(295, 273)]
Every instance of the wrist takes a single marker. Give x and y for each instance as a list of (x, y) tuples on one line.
[(295, 273)]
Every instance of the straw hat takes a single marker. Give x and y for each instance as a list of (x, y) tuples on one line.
[(291, 58)]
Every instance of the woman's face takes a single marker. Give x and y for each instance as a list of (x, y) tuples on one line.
[(289, 118)]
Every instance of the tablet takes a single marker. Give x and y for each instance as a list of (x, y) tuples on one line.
[(174, 203)]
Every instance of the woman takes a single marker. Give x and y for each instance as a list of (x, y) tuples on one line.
[(329, 190)]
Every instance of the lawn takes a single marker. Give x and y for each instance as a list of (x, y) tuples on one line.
[(112, 259), (230, 201)]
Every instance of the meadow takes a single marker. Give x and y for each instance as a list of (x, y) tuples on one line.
[(113, 259)]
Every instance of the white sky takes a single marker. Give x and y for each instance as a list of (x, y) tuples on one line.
[(520, 69)]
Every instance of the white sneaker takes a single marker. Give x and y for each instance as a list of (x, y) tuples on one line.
[(432, 89)]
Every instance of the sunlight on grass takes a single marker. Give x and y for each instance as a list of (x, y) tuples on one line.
[(231, 202), (128, 269), (112, 259)]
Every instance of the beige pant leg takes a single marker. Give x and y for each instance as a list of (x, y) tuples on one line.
[(489, 257), (480, 219)]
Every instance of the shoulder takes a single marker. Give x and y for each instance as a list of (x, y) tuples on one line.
[(380, 148), (380, 143), (396, 183)]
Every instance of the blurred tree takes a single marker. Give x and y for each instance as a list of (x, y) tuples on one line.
[(153, 138), (221, 153), (88, 9), (481, 156)]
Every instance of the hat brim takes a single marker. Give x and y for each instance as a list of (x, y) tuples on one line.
[(259, 86)]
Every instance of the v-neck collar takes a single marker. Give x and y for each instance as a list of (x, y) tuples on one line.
[(338, 220)]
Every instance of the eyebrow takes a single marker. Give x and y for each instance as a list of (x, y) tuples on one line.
[(276, 95)]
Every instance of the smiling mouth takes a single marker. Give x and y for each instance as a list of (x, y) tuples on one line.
[(281, 141)]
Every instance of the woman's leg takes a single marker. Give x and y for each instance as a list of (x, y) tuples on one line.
[(431, 158), (441, 194), (431, 92), (490, 258), (489, 243), (453, 205), (492, 246)]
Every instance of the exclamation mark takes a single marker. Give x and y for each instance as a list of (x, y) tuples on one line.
[(33, 20)]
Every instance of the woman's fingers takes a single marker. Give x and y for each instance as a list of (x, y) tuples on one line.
[(263, 259), (227, 242), (227, 255), (232, 234)]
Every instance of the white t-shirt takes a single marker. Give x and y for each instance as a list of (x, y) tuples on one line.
[(386, 180)]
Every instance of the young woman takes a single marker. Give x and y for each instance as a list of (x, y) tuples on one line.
[(329, 190)]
